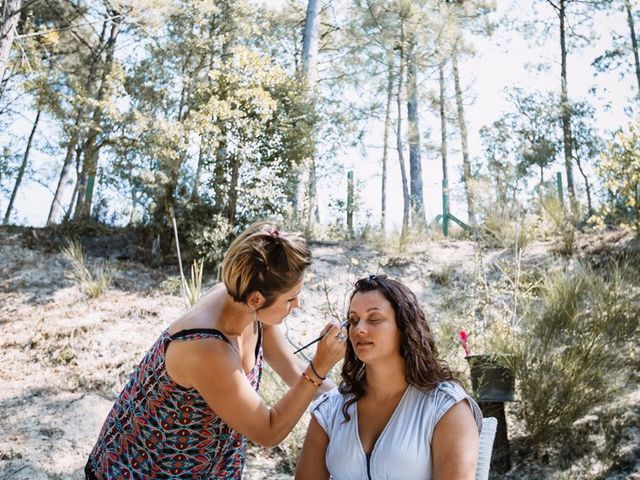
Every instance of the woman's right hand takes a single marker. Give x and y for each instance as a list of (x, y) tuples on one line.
[(330, 349)]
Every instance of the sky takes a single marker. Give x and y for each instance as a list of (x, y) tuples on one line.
[(500, 63)]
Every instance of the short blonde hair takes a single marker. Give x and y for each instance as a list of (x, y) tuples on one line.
[(264, 259)]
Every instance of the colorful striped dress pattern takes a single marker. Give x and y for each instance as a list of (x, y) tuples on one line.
[(158, 429)]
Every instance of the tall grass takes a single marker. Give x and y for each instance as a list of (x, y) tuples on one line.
[(91, 280)]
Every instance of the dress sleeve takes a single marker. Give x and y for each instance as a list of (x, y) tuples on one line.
[(325, 408), (448, 394)]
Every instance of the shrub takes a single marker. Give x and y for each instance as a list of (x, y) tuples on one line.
[(557, 220), (503, 229), (572, 352), (208, 237), (93, 281)]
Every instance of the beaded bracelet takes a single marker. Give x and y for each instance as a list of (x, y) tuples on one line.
[(317, 384), (313, 369)]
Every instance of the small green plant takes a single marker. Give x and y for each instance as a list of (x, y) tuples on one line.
[(92, 281), (192, 288), (172, 285)]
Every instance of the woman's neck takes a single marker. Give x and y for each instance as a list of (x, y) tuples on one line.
[(388, 379), (235, 317), (229, 316)]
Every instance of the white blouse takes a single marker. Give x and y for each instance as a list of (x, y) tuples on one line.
[(403, 449)]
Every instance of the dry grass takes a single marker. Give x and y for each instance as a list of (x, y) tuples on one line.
[(91, 280)]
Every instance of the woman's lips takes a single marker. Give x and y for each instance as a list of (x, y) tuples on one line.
[(363, 343)]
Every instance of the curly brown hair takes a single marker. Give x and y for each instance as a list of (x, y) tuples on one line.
[(417, 347)]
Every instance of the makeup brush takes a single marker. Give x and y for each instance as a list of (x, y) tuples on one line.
[(342, 325)]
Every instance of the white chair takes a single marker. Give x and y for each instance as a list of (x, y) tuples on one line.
[(487, 436)]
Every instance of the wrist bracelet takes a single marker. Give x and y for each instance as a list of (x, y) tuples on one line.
[(313, 369), (317, 384)]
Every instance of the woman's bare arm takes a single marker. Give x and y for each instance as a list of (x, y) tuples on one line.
[(279, 354), (311, 464), (214, 368), (454, 446)]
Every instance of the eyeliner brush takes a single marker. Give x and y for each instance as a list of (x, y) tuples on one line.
[(342, 325)]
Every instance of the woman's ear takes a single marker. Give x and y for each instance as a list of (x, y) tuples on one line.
[(255, 300)]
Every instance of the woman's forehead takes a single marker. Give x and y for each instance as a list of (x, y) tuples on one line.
[(372, 300)]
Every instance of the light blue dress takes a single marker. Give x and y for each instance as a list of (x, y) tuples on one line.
[(403, 449)]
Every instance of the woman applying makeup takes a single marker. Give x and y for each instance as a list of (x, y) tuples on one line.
[(190, 405)]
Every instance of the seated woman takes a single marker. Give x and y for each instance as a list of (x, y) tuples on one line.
[(398, 414)]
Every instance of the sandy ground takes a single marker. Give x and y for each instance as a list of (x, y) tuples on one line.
[(64, 357)]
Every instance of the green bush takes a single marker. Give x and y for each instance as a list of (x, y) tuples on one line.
[(572, 353)]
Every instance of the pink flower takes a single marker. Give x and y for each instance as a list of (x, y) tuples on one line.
[(464, 339)]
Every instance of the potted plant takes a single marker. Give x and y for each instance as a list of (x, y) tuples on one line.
[(492, 379)]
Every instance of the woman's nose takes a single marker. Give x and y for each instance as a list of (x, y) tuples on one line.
[(358, 329)]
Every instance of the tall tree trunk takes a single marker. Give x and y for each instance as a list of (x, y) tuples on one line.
[(385, 148), (634, 41), (310, 41), (91, 149), (564, 105), (69, 212), (443, 153), (10, 15), (23, 166), (415, 161), (309, 73), (587, 186), (65, 175), (462, 125), (403, 172)]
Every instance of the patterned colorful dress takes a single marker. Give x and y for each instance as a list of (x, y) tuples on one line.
[(158, 429)]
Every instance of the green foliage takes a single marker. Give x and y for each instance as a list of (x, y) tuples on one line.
[(573, 351), (620, 170), (207, 232), (172, 285), (92, 280)]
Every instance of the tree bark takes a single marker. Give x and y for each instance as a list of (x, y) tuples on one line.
[(462, 125), (564, 105), (91, 149), (196, 180), (587, 186), (415, 161), (10, 16), (385, 148), (66, 172), (634, 41), (23, 166), (405, 188), (443, 152), (310, 41)]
